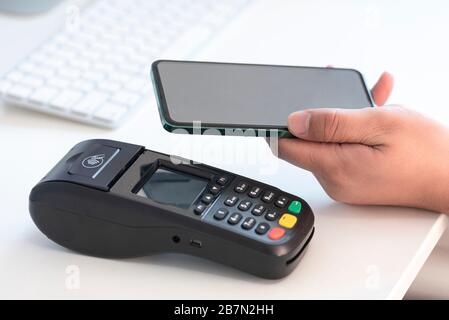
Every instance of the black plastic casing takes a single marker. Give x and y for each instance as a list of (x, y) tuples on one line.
[(106, 218)]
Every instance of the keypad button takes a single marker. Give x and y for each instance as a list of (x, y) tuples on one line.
[(272, 215), (234, 218), (255, 192), (241, 187), (207, 198), (276, 234), (258, 210), (249, 223), (288, 221), (281, 202), (222, 180), (221, 214), (245, 205), (268, 197), (262, 228), (295, 207), (231, 201), (215, 190), (200, 208)]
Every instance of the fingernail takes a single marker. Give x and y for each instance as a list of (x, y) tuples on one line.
[(299, 122)]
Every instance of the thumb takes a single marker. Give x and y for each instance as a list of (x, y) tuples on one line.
[(337, 125)]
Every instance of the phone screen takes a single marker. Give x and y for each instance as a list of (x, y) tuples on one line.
[(252, 96)]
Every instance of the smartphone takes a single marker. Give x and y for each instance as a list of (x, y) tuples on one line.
[(195, 97)]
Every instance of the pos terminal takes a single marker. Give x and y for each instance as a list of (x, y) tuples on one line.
[(113, 199)]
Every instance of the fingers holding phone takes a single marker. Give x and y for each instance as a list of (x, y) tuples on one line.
[(368, 156)]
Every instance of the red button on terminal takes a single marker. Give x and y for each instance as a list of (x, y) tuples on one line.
[(276, 233)]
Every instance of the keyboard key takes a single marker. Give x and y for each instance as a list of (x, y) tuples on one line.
[(19, 91), (272, 215), (32, 82), (54, 63), (295, 207), (241, 187), (268, 197), (83, 85), (199, 209), (66, 53), (221, 214), (111, 38), (255, 192), (249, 223), (110, 112), (123, 78), (58, 82), (91, 56), (51, 48), (245, 205), (109, 86), (27, 67), (44, 95), (66, 99), (80, 64), (222, 181), (288, 221), (207, 199), (215, 190), (258, 210), (126, 98), (281, 202), (101, 47), (276, 234), (86, 38), (69, 73), (90, 103), (231, 201), (60, 39), (262, 228), (235, 218), (44, 72), (14, 76), (94, 76), (131, 68)]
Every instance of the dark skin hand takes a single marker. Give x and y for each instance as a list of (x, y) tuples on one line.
[(387, 155)]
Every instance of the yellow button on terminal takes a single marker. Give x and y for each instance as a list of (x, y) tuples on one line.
[(288, 221)]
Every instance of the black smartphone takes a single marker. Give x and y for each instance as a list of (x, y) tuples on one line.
[(234, 98)]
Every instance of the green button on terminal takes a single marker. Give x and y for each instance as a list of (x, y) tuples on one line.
[(295, 207)]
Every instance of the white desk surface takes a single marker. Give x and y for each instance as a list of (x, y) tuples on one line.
[(357, 252)]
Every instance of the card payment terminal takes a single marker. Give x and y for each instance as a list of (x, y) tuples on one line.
[(113, 199)]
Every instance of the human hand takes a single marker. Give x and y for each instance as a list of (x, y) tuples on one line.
[(376, 156)]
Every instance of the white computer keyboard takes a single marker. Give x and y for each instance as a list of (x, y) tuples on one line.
[(98, 69)]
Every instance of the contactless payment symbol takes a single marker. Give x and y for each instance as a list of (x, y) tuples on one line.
[(94, 161)]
